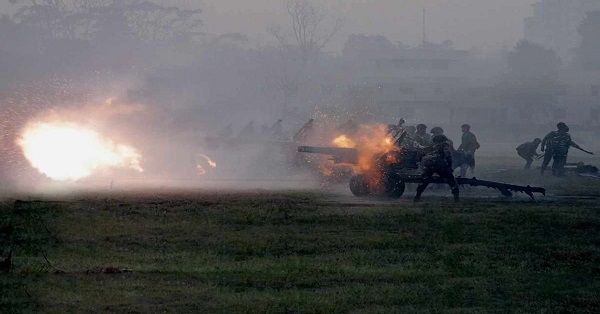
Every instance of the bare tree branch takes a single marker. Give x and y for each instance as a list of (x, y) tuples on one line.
[(307, 28)]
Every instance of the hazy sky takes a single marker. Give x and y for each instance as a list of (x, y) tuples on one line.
[(487, 24)]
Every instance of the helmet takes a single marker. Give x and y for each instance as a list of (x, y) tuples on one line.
[(466, 126), (562, 126), (421, 126), (436, 130), (439, 138)]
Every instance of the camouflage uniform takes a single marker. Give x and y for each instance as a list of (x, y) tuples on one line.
[(438, 160), (562, 142), (548, 149), (422, 138), (528, 150), (439, 131)]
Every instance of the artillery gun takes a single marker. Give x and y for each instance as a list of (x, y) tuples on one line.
[(389, 172)]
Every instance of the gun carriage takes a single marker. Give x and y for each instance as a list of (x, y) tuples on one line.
[(391, 171)]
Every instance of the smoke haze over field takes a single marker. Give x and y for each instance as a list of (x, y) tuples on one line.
[(198, 88)]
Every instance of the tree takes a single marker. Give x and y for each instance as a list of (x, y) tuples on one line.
[(531, 83), (308, 32), (84, 19), (300, 45), (588, 53), (529, 60)]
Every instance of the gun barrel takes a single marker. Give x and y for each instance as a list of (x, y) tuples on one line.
[(339, 154)]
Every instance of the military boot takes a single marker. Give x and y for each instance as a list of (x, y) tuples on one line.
[(420, 190), (455, 192)]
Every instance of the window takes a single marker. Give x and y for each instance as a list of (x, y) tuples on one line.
[(399, 63), (595, 114), (406, 90), (406, 112), (327, 90), (441, 65), (560, 113), (438, 89), (526, 114)]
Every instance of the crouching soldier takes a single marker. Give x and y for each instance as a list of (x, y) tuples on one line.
[(529, 150), (438, 160)]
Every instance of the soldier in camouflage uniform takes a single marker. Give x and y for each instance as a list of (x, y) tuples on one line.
[(562, 141), (438, 160), (548, 148), (439, 131), (529, 150), (468, 146), (421, 136)]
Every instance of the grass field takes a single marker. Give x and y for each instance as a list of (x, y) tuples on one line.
[(308, 252)]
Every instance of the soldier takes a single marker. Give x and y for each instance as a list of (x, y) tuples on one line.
[(468, 146), (562, 142), (529, 150), (548, 149), (247, 131), (411, 131), (421, 136), (438, 160), (305, 131), (393, 130), (276, 130), (439, 131)]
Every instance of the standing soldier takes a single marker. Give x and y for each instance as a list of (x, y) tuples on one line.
[(421, 136), (438, 160), (562, 142), (468, 146), (529, 150), (548, 148)]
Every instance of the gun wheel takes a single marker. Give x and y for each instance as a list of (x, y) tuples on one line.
[(393, 186), (359, 186)]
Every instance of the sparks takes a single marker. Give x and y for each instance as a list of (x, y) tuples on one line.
[(200, 169)]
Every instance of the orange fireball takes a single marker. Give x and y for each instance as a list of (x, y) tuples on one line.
[(67, 151)]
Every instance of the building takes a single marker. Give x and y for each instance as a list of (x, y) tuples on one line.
[(418, 84)]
